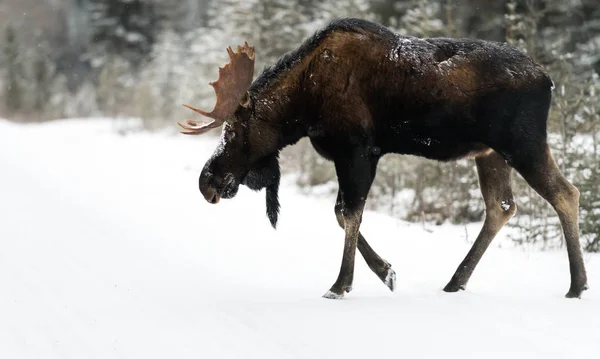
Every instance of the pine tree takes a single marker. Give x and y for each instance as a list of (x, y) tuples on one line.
[(420, 18), (184, 15), (14, 72), (41, 75), (273, 27), (585, 160), (127, 28)]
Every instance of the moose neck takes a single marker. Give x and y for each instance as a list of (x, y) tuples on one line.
[(278, 102)]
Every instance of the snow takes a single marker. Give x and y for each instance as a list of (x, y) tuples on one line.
[(403, 43), (108, 250)]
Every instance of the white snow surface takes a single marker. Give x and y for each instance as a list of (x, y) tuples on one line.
[(108, 250)]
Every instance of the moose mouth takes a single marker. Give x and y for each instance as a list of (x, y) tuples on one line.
[(213, 193), (228, 190), (215, 199)]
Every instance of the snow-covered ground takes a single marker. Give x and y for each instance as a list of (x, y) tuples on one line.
[(108, 250)]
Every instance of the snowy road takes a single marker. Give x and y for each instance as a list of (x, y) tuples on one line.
[(107, 250)]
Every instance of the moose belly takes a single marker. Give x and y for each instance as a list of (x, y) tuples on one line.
[(437, 149), (435, 135)]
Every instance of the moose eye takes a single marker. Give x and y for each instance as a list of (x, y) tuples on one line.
[(229, 135)]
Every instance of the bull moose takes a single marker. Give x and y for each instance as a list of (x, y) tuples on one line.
[(360, 91)]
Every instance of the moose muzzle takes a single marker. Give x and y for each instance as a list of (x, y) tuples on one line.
[(214, 187), (210, 194)]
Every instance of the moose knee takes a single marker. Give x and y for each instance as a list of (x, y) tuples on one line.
[(567, 200), (572, 195)]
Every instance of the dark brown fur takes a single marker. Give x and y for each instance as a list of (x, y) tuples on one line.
[(359, 91)]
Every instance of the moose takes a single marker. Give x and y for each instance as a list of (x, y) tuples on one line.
[(360, 91)]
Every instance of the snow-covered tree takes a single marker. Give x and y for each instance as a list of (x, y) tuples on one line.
[(115, 87), (587, 171), (13, 73), (124, 27)]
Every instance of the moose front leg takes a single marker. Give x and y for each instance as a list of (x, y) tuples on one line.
[(378, 265), (355, 175)]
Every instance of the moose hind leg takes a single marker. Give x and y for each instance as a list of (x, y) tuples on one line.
[(494, 180), (544, 176), (379, 266)]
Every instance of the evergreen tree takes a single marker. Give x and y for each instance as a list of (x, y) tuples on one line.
[(127, 28), (584, 159), (41, 75), (273, 27), (14, 72)]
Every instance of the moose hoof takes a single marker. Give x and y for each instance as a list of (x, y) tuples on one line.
[(453, 287), (332, 295), (390, 279), (576, 293)]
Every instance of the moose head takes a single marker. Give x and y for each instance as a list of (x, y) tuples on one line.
[(247, 152)]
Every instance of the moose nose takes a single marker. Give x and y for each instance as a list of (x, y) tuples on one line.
[(210, 194), (215, 199), (208, 191)]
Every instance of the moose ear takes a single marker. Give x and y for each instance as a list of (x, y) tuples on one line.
[(245, 101)]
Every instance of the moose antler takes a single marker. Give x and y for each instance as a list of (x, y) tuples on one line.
[(231, 87)]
